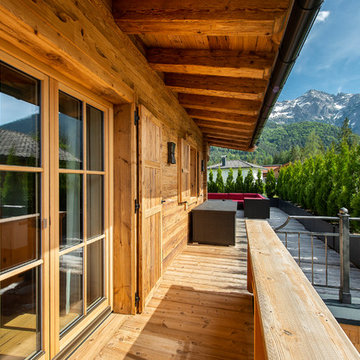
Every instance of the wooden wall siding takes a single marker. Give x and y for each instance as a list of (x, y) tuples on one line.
[(216, 55), (175, 217), (124, 232), (150, 204), (80, 42), (353, 333)]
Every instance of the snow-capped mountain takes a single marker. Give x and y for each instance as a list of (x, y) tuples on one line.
[(319, 106)]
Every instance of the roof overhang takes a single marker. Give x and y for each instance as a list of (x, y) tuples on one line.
[(226, 61)]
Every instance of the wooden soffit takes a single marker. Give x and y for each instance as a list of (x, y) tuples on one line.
[(217, 56)]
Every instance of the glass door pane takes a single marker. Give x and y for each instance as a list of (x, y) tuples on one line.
[(70, 132), (71, 210), (20, 214), (81, 210), (20, 334), (19, 118), (95, 272), (71, 287), (19, 218)]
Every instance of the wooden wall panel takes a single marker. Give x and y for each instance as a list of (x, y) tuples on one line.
[(353, 333), (124, 233), (150, 146), (175, 216), (80, 40), (78, 43)]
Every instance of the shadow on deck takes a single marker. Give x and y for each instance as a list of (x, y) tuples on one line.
[(201, 310)]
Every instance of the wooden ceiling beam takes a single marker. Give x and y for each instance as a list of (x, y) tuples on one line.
[(231, 144), (238, 88), (220, 117), (211, 62), (237, 106), (225, 135), (199, 17), (215, 125)]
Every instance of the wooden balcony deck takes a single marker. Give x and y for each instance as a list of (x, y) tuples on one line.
[(201, 310)]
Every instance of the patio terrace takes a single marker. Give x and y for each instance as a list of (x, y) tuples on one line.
[(200, 310)]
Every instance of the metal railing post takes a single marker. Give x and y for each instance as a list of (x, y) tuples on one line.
[(344, 244)]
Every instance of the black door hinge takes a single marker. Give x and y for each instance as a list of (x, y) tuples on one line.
[(136, 116), (137, 206), (137, 299)]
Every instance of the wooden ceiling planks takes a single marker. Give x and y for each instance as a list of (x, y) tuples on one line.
[(217, 55)]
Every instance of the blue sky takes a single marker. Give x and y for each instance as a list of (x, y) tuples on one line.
[(330, 58)]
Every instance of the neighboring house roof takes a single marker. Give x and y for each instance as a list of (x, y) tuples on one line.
[(24, 145), (235, 164)]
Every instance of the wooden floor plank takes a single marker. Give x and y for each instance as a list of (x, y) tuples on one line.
[(201, 310)]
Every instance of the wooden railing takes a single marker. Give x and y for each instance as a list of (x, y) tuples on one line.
[(290, 319)]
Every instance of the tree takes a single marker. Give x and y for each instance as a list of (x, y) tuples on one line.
[(313, 144), (219, 181), (345, 134), (280, 183), (239, 183), (249, 182), (212, 188), (230, 185), (270, 184), (259, 184)]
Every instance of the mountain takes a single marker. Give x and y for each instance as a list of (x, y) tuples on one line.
[(277, 141), (320, 107)]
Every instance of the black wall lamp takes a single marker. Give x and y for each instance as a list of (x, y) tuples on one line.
[(171, 153)]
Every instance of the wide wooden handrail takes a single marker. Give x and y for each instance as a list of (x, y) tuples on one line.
[(290, 319)]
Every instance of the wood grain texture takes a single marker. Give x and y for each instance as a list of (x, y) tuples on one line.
[(214, 62), (222, 117), (201, 310), (237, 106), (353, 333), (238, 88), (199, 17), (150, 241), (245, 129), (228, 144), (295, 322), (124, 232), (80, 41)]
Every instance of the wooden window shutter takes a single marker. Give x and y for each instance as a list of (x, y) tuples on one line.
[(184, 171)]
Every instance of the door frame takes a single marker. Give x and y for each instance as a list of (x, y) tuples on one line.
[(51, 345)]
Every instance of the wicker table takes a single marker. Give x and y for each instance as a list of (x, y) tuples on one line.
[(213, 222)]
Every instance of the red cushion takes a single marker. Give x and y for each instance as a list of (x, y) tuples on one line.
[(236, 196), (217, 196)]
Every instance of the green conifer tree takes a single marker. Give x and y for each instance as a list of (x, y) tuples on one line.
[(219, 181), (211, 183), (259, 184), (249, 182), (239, 184), (270, 184), (230, 185)]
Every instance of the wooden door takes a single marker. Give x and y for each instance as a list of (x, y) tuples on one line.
[(149, 246)]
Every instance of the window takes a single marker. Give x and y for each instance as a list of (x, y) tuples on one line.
[(188, 172), (81, 208), (193, 172), (51, 163)]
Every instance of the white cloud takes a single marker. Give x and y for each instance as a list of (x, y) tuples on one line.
[(322, 16)]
